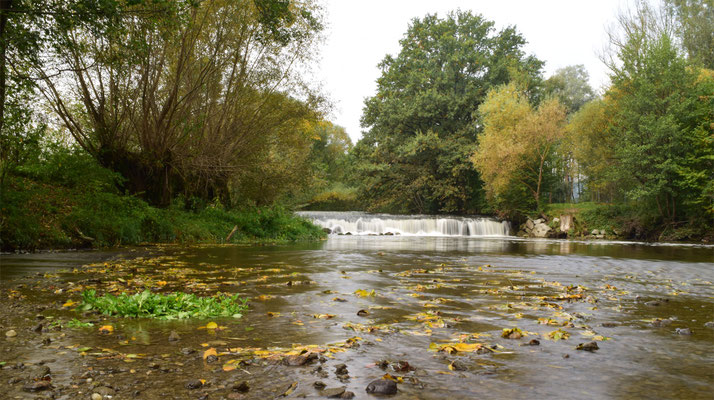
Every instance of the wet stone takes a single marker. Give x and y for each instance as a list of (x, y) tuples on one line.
[(241, 387), (362, 313), (174, 337), (610, 324), (341, 369), (333, 393), (347, 395), (211, 359), (39, 373), (37, 328), (590, 346), (37, 386), (194, 384), (534, 342), (659, 323), (709, 324), (683, 331), (11, 333), (319, 385), (187, 351), (458, 366), (382, 386)]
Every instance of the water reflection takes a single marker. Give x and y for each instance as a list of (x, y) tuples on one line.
[(700, 253)]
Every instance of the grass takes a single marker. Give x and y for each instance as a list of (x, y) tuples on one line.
[(37, 214), (164, 306)]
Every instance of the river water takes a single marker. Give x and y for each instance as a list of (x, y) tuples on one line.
[(429, 292)]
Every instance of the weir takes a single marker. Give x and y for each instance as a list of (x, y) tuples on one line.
[(359, 223)]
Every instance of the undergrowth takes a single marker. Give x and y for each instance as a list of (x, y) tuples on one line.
[(164, 306)]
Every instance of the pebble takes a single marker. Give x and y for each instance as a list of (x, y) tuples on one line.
[(194, 384), (10, 333), (96, 396), (683, 331), (174, 337), (241, 387), (709, 324), (333, 393), (382, 386), (37, 386)]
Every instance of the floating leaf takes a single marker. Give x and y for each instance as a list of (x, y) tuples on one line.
[(364, 293), (106, 329), (559, 335), (211, 325), (210, 352), (451, 348), (323, 316), (290, 389), (512, 333), (69, 303)]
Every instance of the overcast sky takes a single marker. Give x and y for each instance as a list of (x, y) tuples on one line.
[(361, 33)]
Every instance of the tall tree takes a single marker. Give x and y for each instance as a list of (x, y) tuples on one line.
[(661, 126), (695, 28), (422, 123), (517, 144), (570, 85), (180, 102)]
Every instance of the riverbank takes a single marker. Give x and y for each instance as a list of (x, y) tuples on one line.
[(609, 221), (40, 215)]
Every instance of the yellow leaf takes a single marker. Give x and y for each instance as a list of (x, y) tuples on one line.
[(364, 293), (210, 352), (69, 303), (229, 367), (106, 329), (211, 325), (161, 283)]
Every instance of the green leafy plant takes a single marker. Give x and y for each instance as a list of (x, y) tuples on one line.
[(164, 306), (75, 323)]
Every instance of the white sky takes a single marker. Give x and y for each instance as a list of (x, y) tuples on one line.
[(360, 33)]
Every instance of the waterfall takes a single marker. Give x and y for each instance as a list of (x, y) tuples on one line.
[(358, 223)]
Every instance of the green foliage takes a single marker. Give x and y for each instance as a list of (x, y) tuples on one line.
[(336, 198), (423, 122), (570, 86), (75, 323), (661, 129), (164, 306), (67, 200)]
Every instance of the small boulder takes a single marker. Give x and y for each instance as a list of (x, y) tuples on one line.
[(11, 333), (37, 386), (591, 346), (333, 393), (382, 386), (241, 387), (174, 337), (194, 384)]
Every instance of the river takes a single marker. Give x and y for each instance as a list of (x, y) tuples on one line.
[(430, 292)]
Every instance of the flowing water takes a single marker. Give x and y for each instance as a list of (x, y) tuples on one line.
[(429, 292)]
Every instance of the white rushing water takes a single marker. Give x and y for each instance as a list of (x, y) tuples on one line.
[(358, 223)]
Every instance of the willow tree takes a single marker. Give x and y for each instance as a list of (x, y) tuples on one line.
[(516, 145), (182, 94)]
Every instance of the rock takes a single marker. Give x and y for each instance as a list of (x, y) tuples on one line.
[(529, 224), (362, 313), (38, 328), (661, 323), (653, 303), (709, 324), (541, 230), (347, 395), (595, 232), (298, 360), (382, 386), (341, 369), (96, 396), (241, 387), (10, 333), (556, 219), (319, 385), (566, 222), (683, 331), (104, 391), (194, 384), (174, 337), (457, 365), (539, 221), (591, 346), (534, 342), (610, 324), (39, 373), (211, 359), (389, 234), (327, 230), (37, 386), (333, 393)]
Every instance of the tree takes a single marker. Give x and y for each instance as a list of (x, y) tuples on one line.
[(570, 85), (517, 143), (695, 28), (661, 126), (422, 122), (179, 102)]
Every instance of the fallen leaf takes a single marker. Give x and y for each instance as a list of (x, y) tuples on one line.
[(364, 293), (211, 325), (106, 329), (210, 352)]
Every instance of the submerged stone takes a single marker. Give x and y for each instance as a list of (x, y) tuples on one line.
[(382, 386)]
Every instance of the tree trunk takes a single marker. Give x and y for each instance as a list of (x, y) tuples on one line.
[(5, 6)]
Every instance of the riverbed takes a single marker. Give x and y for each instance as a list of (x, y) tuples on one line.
[(426, 312)]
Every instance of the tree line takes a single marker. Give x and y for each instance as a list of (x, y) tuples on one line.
[(464, 121)]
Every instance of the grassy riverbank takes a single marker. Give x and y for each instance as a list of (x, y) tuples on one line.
[(621, 221), (38, 215)]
